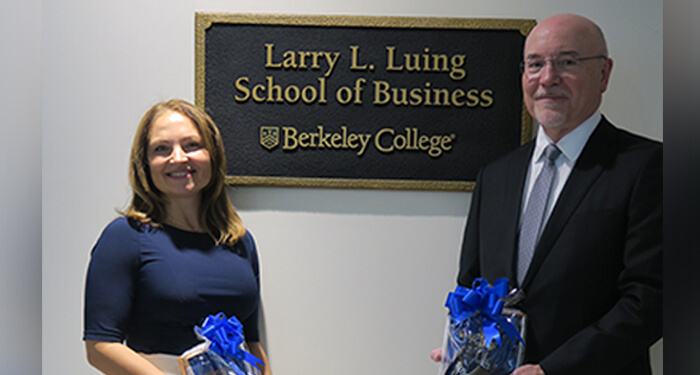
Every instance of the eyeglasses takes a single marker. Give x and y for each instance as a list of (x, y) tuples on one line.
[(562, 64)]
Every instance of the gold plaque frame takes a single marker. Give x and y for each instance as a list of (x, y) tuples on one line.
[(204, 21)]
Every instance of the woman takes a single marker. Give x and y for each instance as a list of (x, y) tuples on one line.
[(178, 254)]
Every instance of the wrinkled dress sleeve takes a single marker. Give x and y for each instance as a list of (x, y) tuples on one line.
[(109, 286), (250, 324)]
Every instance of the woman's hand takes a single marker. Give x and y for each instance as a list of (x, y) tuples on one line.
[(115, 358), (528, 370)]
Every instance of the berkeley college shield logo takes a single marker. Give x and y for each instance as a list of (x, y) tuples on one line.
[(269, 136)]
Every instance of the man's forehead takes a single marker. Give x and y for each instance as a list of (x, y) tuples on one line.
[(563, 53), (551, 40)]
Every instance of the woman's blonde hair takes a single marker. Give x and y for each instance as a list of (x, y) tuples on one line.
[(148, 203)]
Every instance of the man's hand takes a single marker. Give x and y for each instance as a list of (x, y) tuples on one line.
[(436, 355), (528, 370)]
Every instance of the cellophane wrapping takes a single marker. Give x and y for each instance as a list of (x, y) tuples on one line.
[(481, 336), (223, 352)]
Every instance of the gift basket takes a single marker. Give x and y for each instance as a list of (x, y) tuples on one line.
[(223, 352), (484, 334)]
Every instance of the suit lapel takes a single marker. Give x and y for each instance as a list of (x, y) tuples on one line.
[(597, 153), (512, 206)]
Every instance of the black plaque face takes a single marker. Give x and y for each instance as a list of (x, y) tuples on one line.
[(362, 102)]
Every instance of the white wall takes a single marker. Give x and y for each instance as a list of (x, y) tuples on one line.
[(352, 281), (20, 189)]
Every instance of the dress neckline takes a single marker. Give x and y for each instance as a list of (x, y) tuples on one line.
[(178, 229)]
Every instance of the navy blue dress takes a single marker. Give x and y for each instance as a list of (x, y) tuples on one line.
[(150, 286)]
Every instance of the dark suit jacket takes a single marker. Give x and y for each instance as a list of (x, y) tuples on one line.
[(594, 290)]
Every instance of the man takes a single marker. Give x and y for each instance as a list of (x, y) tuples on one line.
[(591, 267)]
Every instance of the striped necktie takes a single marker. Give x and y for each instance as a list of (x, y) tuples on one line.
[(534, 212)]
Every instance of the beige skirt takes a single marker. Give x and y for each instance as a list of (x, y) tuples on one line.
[(165, 362)]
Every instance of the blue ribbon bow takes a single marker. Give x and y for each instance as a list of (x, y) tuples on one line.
[(463, 303), (226, 337)]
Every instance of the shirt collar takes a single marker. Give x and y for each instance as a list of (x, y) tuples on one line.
[(571, 144)]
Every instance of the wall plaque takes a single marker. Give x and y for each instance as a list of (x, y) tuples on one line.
[(361, 102)]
